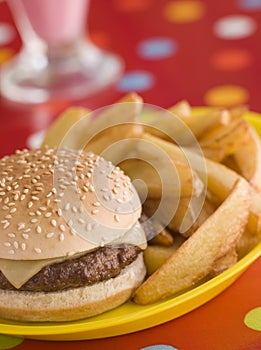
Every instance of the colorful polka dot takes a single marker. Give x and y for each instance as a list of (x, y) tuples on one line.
[(226, 95), (184, 11), (157, 48), (253, 319), (136, 80), (9, 342), (132, 5), (5, 54), (249, 5), (7, 33), (235, 27), (231, 59), (101, 39)]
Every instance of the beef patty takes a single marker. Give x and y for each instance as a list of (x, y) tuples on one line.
[(93, 267)]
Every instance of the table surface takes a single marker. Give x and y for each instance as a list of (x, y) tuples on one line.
[(207, 52)]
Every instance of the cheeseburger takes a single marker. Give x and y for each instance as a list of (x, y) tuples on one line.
[(70, 239)]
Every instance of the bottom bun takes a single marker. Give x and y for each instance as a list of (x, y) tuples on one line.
[(73, 304)]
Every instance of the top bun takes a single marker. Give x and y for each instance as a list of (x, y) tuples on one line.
[(56, 203)]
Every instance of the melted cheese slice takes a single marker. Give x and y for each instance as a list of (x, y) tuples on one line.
[(18, 272)]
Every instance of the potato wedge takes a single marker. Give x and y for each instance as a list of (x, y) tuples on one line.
[(248, 159), (195, 258), (228, 139), (224, 263), (163, 238), (173, 177), (156, 255), (246, 242), (57, 131)]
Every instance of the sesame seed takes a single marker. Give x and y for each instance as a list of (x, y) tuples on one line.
[(67, 206), (35, 198), (81, 221), (95, 211), (21, 226), (49, 194), (13, 210), (116, 218), (11, 251), (16, 196), (89, 227), (50, 235), (30, 204), (33, 221), (59, 212), (6, 225), (22, 197), (16, 245), (70, 222), (105, 189), (38, 229), (23, 246), (47, 215), (12, 204), (85, 189), (53, 222), (38, 250), (43, 208), (74, 209), (96, 204), (7, 244), (61, 237), (62, 228), (38, 213), (73, 232), (35, 192), (5, 207), (82, 198), (6, 200), (25, 235), (114, 190), (8, 216), (119, 200), (11, 235)]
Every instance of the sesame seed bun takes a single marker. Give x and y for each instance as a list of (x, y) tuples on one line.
[(56, 203)]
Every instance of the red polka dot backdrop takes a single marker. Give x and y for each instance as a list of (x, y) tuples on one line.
[(189, 47), (184, 48)]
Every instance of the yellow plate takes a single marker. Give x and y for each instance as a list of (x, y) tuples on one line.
[(131, 317)]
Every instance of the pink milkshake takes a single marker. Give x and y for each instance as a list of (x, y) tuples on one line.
[(57, 21), (57, 59)]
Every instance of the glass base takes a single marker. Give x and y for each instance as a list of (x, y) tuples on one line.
[(69, 74)]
